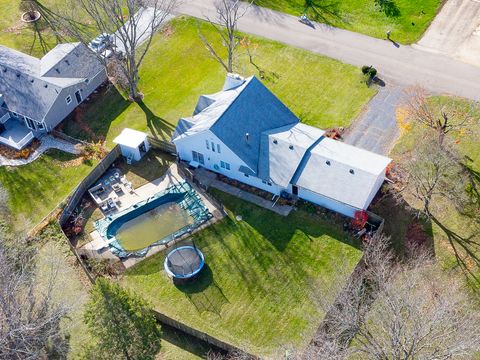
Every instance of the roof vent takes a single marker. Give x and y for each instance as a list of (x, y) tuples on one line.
[(232, 81), (328, 162), (291, 147), (45, 86), (351, 171), (58, 71), (275, 141), (247, 137)]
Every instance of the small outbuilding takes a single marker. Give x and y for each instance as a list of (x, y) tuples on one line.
[(133, 144)]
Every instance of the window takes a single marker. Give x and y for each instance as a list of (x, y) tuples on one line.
[(213, 147), (78, 96), (198, 157), (218, 148), (30, 124), (224, 165), (207, 144), (68, 99)]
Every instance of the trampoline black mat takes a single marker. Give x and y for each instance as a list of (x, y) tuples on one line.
[(184, 261)]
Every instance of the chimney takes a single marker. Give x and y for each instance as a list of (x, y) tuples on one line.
[(232, 81)]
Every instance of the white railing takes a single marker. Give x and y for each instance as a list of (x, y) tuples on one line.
[(4, 118), (17, 145)]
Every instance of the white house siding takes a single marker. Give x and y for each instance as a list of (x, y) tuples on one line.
[(197, 143), (326, 202), (378, 184), (60, 109)]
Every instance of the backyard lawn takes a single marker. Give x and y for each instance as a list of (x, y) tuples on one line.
[(408, 19), (178, 69), (262, 279)]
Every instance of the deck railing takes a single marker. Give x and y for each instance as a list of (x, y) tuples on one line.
[(17, 145), (4, 118)]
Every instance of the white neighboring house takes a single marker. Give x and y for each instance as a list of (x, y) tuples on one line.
[(245, 133), (37, 94)]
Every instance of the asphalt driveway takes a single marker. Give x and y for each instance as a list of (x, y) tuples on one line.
[(376, 129), (455, 32)]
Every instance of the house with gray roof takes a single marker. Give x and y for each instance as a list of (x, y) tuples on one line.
[(37, 94), (246, 133)]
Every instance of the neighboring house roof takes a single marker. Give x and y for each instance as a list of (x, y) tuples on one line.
[(280, 149), (348, 177), (30, 86)]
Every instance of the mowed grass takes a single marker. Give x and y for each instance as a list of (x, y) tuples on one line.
[(37, 188), (365, 17), (178, 69), (468, 144), (263, 277), (33, 39)]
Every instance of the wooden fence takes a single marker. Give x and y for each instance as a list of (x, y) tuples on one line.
[(91, 178), (162, 145)]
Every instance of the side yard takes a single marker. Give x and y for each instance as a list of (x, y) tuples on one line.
[(262, 281), (407, 19), (400, 222)]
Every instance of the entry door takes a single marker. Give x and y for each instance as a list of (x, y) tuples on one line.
[(294, 190), (78, 95)]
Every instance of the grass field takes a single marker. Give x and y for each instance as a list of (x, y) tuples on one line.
[(468, 144), (178, 69), (262, 278), (409, 19), (31, 39), (37, 188)]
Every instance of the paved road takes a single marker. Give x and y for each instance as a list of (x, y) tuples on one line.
[(404, 64), (376, 129), (455, 31)]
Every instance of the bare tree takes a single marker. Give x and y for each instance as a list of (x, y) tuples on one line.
[(133, 24), (229, 12), (399, 310), (29, 315), (433, 170), (421, 110)]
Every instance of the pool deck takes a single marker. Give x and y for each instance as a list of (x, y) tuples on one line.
[(98, 247)]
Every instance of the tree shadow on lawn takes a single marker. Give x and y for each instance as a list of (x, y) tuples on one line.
[(159, 128), (92, 119), (186, 342)]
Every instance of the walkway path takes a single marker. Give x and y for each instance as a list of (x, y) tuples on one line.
[(376, 129), (47, 142), (404, 64)]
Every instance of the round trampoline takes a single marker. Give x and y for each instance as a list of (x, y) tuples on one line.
[(184, 262)]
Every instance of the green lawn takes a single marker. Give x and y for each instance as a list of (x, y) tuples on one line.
[(468, 144), (363, 16), (412, 19), (35, 39), (178, 69), (262, 277), (37, 188)]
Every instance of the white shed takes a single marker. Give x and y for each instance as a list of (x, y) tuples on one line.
[(133, 144)]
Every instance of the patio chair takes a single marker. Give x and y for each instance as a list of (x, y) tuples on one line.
[(104, 207), (111, 204)]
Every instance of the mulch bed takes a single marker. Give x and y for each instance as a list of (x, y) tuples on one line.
[(25, 153)]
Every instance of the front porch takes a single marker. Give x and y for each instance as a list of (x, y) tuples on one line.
[(15, 134)]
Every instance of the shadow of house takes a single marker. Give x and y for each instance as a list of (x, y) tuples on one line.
[(159, 128), (92, 119)]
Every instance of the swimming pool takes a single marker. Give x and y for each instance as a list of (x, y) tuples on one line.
[(159, 219)]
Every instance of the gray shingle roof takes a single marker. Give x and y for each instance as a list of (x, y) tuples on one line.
[(30, 86), (252, 112)]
